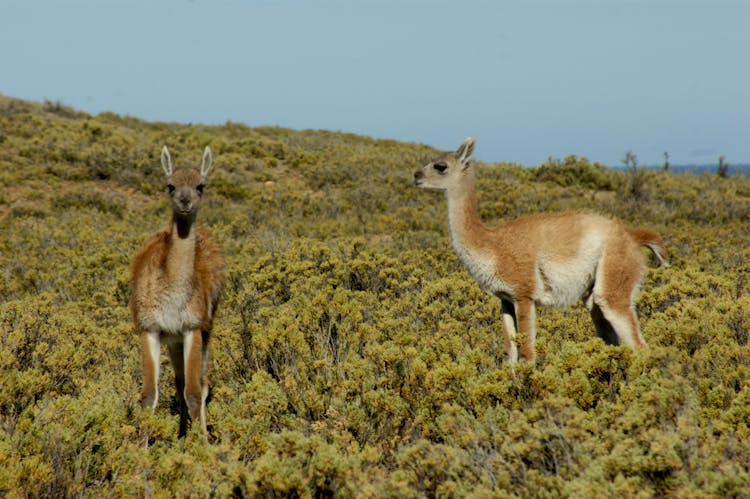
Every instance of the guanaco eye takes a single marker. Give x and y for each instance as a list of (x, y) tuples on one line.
[(440, 167), (171, 188), (200, 188)]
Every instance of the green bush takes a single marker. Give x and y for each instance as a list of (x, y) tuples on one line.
[(352, 354), (578, 171)]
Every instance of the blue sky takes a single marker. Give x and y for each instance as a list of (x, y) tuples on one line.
[(529, 79)]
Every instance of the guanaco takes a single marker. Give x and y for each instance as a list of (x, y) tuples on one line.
[(548, 259), (176, 280)]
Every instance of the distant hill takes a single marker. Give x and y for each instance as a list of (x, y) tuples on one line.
[(738, 169)]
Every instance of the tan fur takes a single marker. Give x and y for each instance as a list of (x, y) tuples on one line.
[(176, 280), (552, 259)]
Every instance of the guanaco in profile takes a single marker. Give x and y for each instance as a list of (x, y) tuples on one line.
[(549, 259), (176, 279)]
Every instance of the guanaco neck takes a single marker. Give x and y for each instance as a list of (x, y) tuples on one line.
[(468, 233), (181, 257)]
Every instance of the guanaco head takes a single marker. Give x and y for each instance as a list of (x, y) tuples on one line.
[(447, 169), (186, 184)]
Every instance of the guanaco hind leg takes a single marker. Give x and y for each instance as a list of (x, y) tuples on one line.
[(623, 320), (613, 293), (603, 327)]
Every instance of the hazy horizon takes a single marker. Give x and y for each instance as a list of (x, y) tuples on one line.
[(529, 80)]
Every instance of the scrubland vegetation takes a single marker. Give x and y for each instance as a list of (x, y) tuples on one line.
[(352, 355)]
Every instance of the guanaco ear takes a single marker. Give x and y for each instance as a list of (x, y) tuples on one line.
[(208, 160), (166, 162), (465, 151)]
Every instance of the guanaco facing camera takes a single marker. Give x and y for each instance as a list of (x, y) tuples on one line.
[(176, 279)]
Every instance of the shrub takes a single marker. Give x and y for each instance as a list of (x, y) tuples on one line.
[(577, 171), (352, 354)]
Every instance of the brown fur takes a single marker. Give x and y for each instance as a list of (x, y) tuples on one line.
[(545, 259), (149, 277), (176, 280)]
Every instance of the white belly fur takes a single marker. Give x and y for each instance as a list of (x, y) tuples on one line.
[(171, 314), (563, 283)]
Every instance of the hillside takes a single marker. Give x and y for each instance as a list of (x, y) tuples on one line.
[(352, 354)]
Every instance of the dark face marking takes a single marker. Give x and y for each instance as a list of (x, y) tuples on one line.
[(440, 167)]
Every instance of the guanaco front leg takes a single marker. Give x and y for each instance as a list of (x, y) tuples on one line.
[(526, 318), (204, 377), (176, 354), (194, 376), (511, 328), (519, 319), (150, 346)]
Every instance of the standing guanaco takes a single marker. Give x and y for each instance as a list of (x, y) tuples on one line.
[(550, 259), (176, 279)]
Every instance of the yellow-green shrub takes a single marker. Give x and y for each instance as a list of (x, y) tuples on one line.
[(352, 354)]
